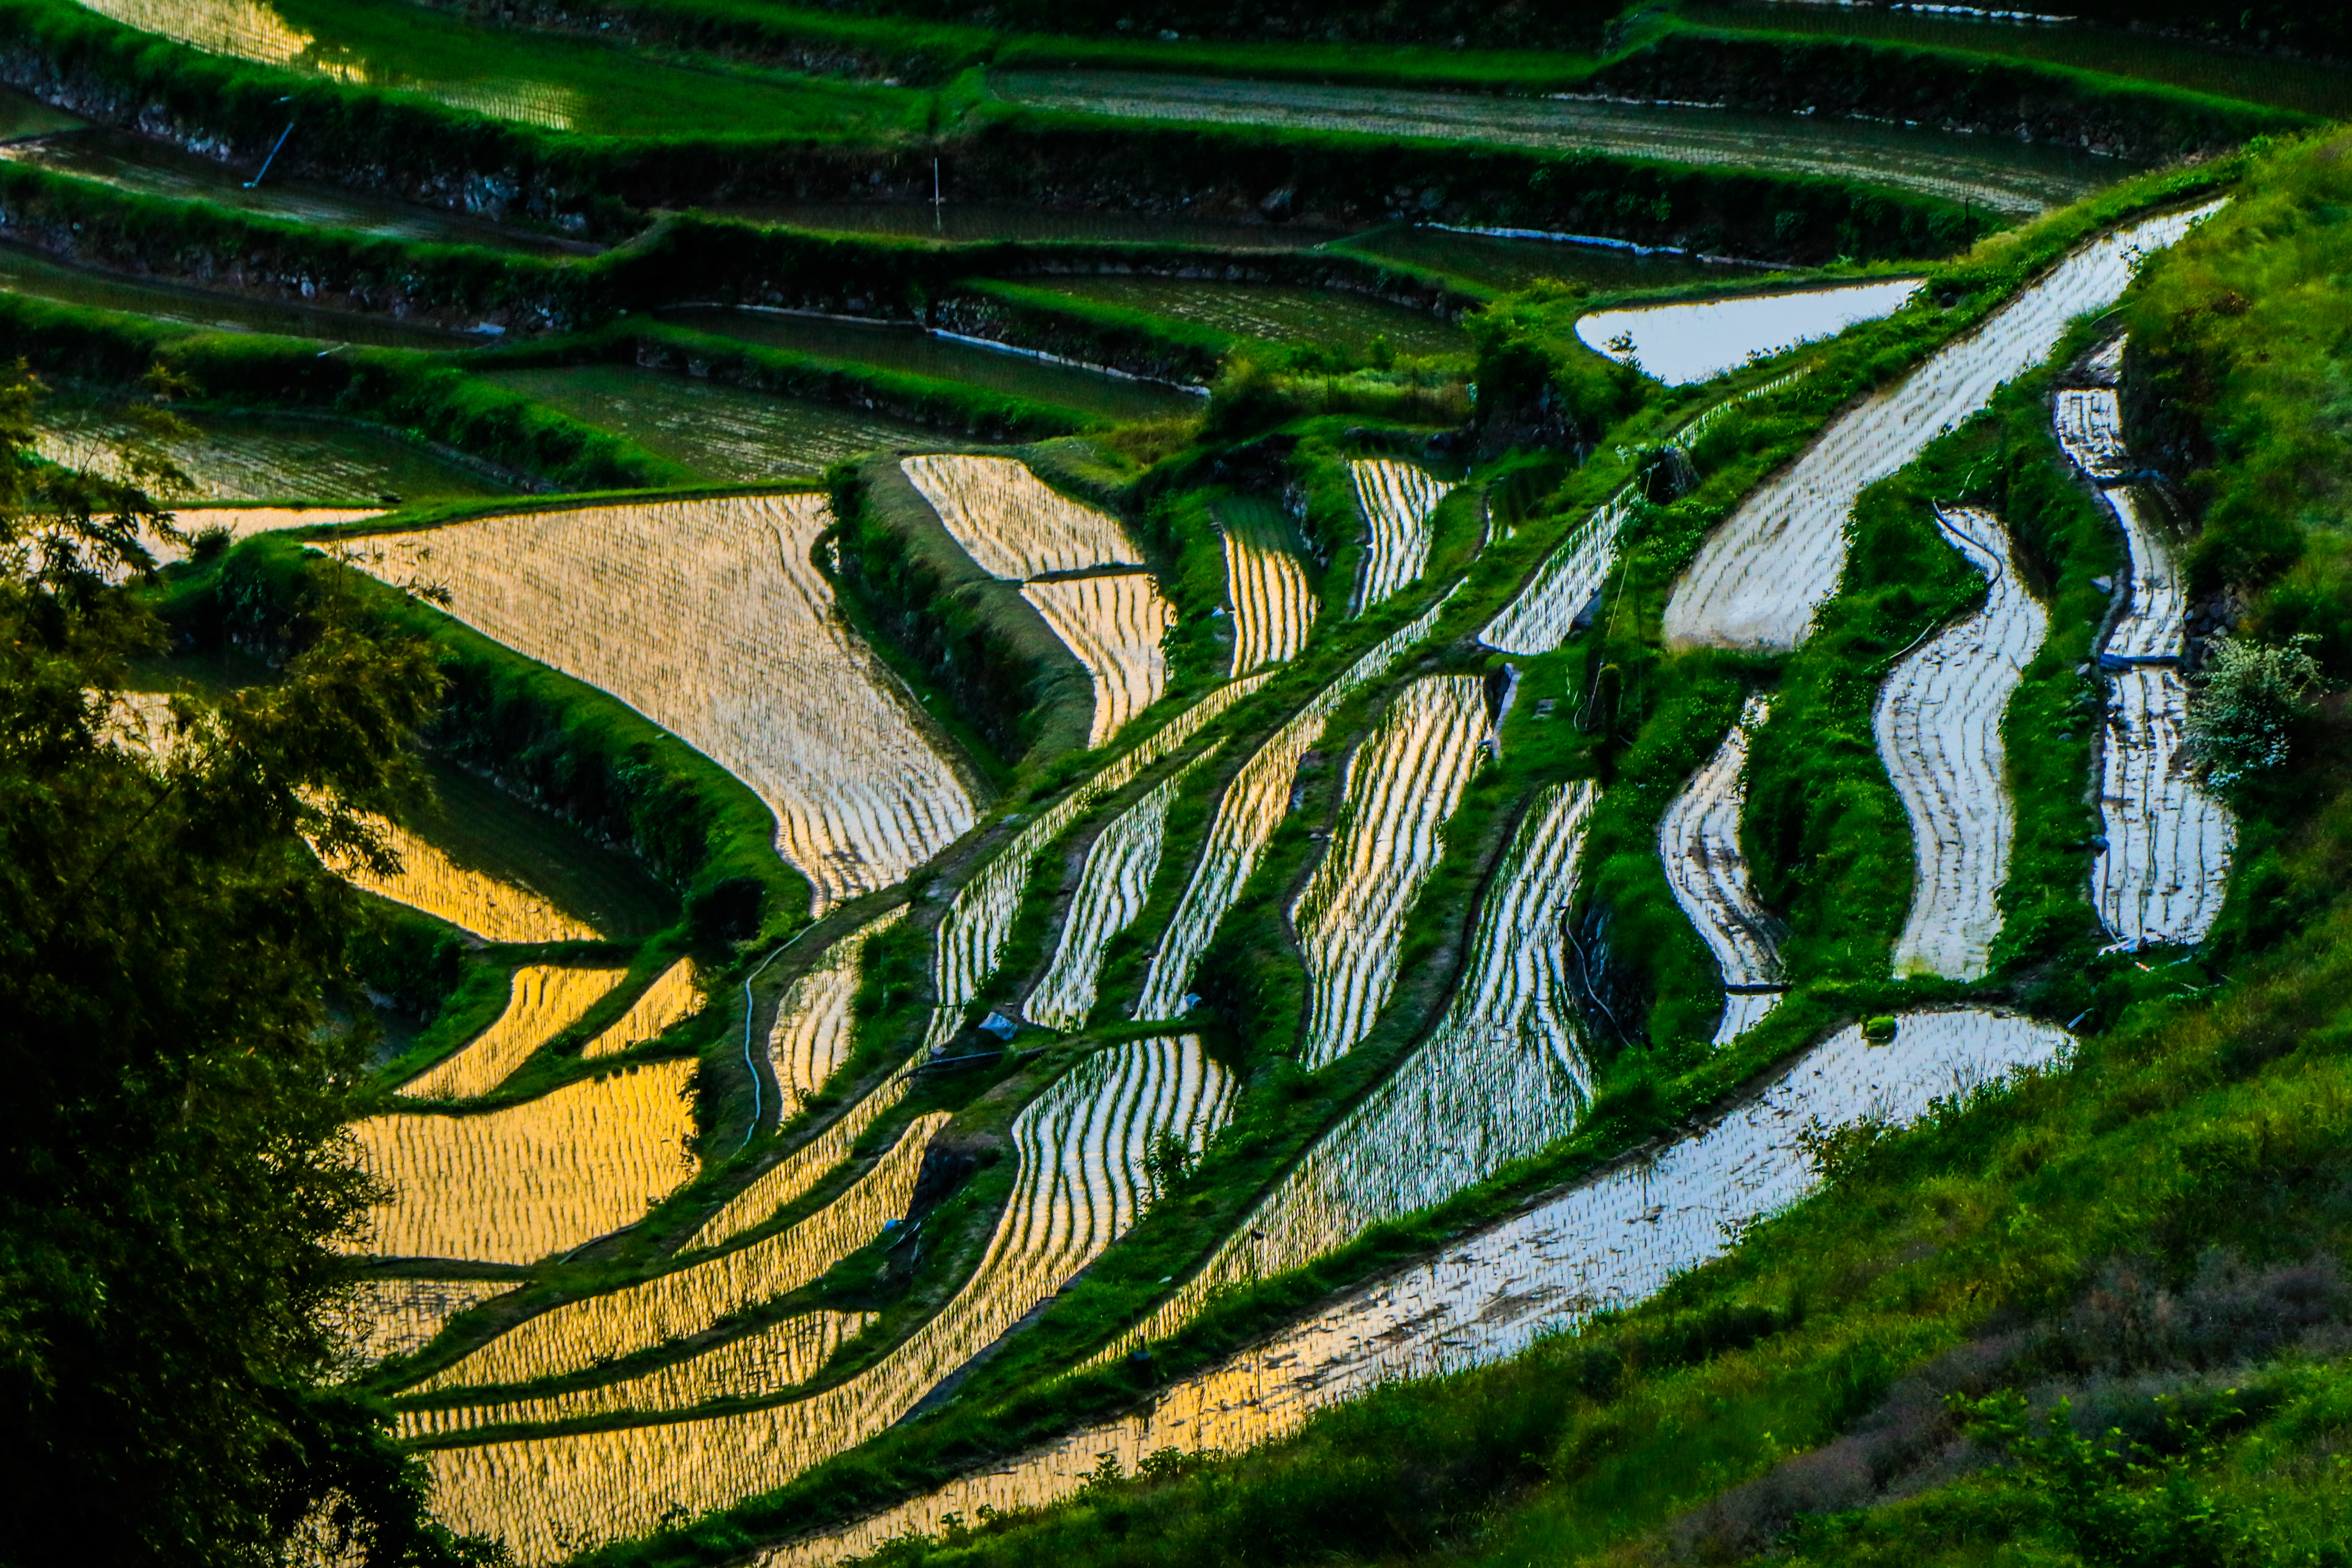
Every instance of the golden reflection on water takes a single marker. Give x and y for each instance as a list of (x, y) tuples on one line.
[(1080, 1184), (1401, 785), (580, 1334), (542, 1001), (672, 998), (516, 1184), (494, 910)]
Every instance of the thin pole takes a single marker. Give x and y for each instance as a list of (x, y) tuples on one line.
[(938, 221), (273, 156)]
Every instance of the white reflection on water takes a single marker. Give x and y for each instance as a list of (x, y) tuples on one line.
[(1700, 340), (1608, 1242)]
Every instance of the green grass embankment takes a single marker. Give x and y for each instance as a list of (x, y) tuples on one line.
[(418, 392), (977, 414), (1003, 675)]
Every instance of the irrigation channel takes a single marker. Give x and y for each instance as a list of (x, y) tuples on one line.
[(1607, 1242), (2001, 177)]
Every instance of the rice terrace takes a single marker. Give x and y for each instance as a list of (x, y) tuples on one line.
[(959, 784)]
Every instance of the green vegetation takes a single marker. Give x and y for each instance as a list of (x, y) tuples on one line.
[(175, 1181), (2095, 1314)]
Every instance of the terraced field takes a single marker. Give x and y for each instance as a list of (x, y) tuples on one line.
[(248, 458), (1401, 785), (2007, 179), (1760, 578), (901, 346), (1356, 995), (773, 688), (1081, 1183), (556, 83), (1699, 843), (720, 432), (1276, 313), (544, 1001), (515, 1185), (1939, 720), (1558, 1264)]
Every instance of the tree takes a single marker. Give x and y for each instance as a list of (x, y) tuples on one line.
[(174, 1164)]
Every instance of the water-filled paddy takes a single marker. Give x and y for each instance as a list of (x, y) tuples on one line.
[(1507, 264), (1275, 312), (537, 79), (155, 168), (1701, 339), (1996, 173), (43, 278), (720, 432), (963, 222), (271, 456), (908, 349)]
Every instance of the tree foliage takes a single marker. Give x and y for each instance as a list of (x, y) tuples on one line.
[(173, 1167)]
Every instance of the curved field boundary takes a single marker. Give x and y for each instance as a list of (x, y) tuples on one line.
[(1938, 723), (385, 1318), (806, 1167), (1112, 887), (1607, 1243), (672, 998), (477, 904), (1011, 522), (1253, 807), (811, 1037), (1080, 1184), (1272, 602), (972, 934), (548, 1175), (1116, 627), (579, 1334), (1760, 578), (1698, 842), (1979, 171), (1544, 612), (2163, 870), (1401, 785), (710, 619), (773, 1358), (542, 1001), (1503, 1074), (1397, 501)]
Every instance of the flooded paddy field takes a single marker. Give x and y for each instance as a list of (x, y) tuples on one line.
[(1275, 312), (892, 347), (723, 433), (272, 457), (43, 277), (1700, 340), (2005, 176)]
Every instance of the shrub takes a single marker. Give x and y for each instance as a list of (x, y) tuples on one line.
[(2243, 716)]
